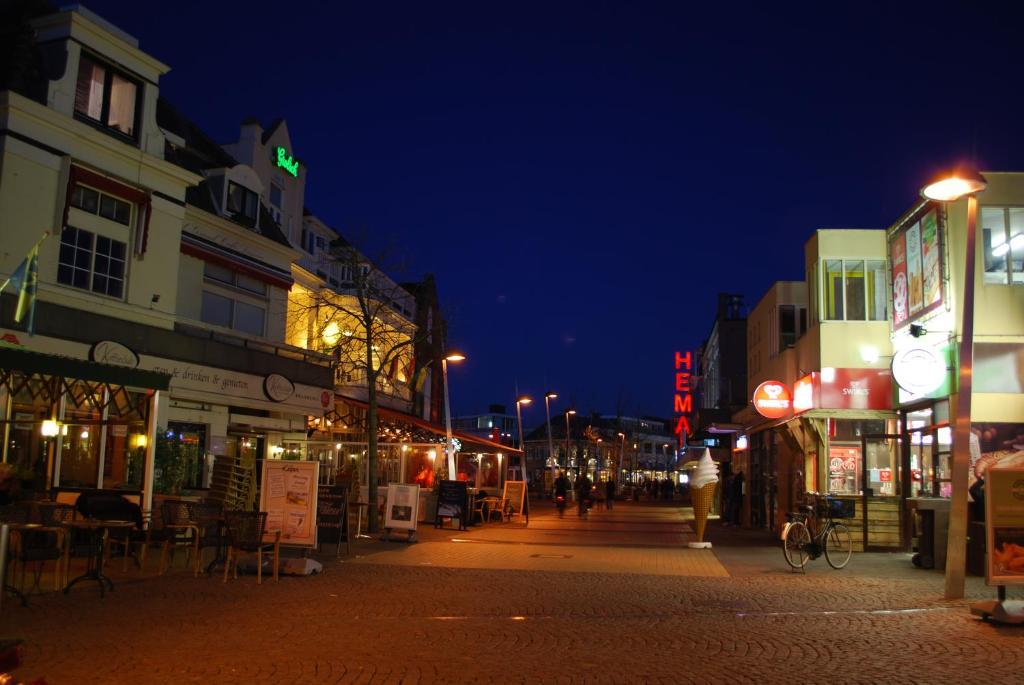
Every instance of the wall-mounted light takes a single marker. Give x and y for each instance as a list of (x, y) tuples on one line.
[(50, 428), (139, 440), (917, 330)]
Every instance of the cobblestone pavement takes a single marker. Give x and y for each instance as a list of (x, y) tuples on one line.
[(368, 619)]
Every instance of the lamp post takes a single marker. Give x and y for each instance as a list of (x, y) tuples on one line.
[(449, 446), (950, 188), (520, 401), (548, 396), (622, 453), (568, 413)]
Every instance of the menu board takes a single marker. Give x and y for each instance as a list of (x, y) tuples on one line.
[(332, 514), (403, 505), (1004, 526), (452, 500), (288, 493), (515, 494), (916, 257)]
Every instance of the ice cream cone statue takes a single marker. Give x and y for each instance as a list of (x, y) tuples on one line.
[(702, 494)]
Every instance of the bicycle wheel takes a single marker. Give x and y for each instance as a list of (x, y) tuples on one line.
[(794, 547), (838, 546)]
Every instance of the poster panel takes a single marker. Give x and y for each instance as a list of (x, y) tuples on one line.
[(332, 514), (288, 494), (1004, 526), (915, 277), (900, 303), (403, 505), (932, 272), (515, 493), (452, 501)]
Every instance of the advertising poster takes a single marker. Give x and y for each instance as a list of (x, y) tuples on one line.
[(1004, 523), (403, 506), (900, 290), (452, 501), (844, 469), (930, 259), (289, 496), (332, 514), (915, 277)]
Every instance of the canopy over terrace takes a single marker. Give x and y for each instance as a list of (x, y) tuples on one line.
[(74, 423), (410, 447)]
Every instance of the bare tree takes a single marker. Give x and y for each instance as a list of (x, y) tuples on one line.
[(367, 323)]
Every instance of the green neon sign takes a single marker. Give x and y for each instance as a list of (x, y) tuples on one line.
[(287, 162)]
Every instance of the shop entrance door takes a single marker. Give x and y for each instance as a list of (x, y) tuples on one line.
[(881, 490)]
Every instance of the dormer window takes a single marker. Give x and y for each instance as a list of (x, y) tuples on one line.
[(105, 97), (243, 204)]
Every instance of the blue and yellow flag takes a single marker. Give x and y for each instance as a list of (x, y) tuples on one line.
[(26, 279)]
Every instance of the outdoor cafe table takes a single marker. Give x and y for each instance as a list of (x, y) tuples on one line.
[(94, 562)]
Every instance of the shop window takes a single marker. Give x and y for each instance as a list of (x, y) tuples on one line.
[(243, 204), (854, 290), (91, 262), (1003, 244), (106, 97)]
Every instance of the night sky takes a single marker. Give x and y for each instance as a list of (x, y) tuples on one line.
[(584, 178)]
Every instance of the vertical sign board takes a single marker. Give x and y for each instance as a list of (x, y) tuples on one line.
[(682, 405), (1004, 526), (452, 502), (332, 514), (515, 493), (403, 505), (288, 493), (915, 252)]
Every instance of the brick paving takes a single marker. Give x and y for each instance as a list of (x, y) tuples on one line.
[(376, 618)]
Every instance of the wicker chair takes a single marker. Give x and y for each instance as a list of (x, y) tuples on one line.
[(181, 531), (209, 522), (245, 536)]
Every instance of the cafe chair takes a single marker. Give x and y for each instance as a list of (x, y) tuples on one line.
[(209, 522), (34, 545), (496, 507), (245, 536), (180, 531), (480, 509)]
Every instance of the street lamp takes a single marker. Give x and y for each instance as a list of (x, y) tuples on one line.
[(520, 401), (449, 446), (950, 188), (568, 413), (548, 396), (622, 454)]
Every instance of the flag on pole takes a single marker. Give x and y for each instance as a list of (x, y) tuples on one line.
[(26, 279)]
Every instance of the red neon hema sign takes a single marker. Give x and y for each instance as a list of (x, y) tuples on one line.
[(683, 404), (772, 400)]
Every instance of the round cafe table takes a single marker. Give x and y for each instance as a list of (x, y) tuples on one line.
[(94, 562)]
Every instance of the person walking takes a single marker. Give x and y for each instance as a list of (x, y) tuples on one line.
[(582, 494), (609, 494)]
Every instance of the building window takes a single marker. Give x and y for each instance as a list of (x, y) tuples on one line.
[(91, 262), (243, 204), (107, 206), (106, 97), (1003, 244), (854, 290), (234, 300), (276, 195)]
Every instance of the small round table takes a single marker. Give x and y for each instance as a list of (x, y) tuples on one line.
[(94, 562)]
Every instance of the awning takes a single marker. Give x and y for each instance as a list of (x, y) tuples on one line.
[(28, 362), (482, 444)]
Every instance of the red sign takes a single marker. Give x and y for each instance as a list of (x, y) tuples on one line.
[(772, 400), (855, 388), (900, 287), (683, 403), (885, 475)]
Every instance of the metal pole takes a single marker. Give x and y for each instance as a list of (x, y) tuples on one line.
[(522, 450), (449, 447), (956, 543), (551, 447), (566, 438), (4, 532)]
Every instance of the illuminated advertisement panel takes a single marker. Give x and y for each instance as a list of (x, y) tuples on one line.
[(915, 254)]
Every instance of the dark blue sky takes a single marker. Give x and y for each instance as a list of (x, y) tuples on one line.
[(583, 178)]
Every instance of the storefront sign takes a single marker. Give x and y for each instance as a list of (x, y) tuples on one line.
[(515, 494), (1004, 525), (287, 162), (855, 389), (683, 403), (332, 514), (288, 493), (772, 400), (918, 370), (277, 387), (916, 257), (110, 352), (452, 502)]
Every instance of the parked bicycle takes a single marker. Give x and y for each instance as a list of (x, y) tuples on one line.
[(805, 537)]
